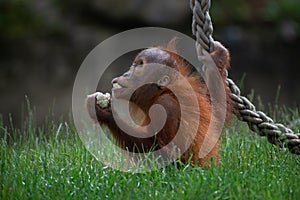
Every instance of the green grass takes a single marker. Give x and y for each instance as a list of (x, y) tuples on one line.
[(56, 165)]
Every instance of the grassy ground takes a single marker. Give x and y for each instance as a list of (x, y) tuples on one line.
[(56, 165)]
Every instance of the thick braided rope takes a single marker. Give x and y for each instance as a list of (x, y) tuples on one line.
[(258, 121), (202, 26)]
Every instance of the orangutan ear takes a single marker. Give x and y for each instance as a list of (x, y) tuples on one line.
[(164, 81)]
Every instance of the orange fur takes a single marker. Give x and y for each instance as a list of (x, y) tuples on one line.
[(145, 97)]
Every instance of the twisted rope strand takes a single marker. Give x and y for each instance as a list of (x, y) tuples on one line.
[(257, 121), (202, 25)]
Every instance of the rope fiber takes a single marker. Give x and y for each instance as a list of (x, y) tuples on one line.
[(259, 122)]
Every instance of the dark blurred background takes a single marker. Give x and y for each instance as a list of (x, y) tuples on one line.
[(43, 43)]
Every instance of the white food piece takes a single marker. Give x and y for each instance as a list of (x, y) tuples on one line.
[(116, 85), (103, 99)]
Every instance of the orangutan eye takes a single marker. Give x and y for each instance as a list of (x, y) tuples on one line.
[(139, 63)]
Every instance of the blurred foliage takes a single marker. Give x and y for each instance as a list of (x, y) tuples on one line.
[(18, 19), (249, 11)]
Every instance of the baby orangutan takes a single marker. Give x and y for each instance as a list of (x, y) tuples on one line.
[(145, 86)]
